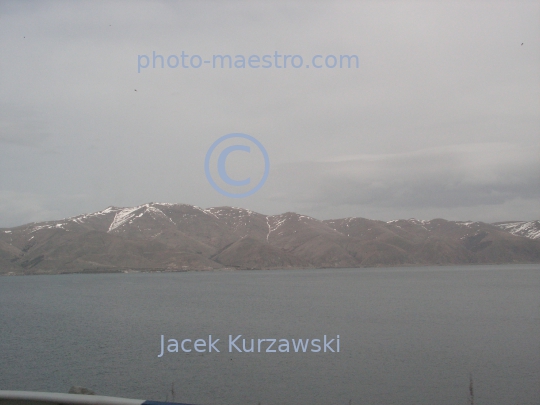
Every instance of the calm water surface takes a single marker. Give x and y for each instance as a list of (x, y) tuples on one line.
[(408, 335)]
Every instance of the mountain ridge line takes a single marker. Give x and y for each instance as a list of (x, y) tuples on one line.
[(181, 237)]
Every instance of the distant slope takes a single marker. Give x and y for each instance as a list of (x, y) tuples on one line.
[(176, 237), (529, 229)]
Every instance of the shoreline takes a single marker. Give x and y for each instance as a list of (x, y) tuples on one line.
[(231, 269)]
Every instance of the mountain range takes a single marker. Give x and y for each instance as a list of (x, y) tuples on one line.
[(180, 237)]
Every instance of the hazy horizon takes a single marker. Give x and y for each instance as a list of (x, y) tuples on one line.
[(263, 213)]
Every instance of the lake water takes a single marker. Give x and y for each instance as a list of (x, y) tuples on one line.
[(407, 335)]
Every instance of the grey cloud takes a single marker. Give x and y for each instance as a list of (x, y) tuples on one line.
[(444, 177), (17, 208), (21, 126)]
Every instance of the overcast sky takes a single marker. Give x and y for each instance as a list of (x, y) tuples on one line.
[(440, 119)]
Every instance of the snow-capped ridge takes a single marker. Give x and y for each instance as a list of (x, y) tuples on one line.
[(128, 214), (527, 229)]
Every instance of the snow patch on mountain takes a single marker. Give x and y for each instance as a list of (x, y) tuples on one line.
[(58, 226), (530, 229), (122, 217), (127, 215), (418, 221), (221, 212), (157, 213), (276, 223), (207, 211), (468, 224), (81, 218)]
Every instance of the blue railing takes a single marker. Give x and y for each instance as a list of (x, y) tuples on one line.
[(52, 398)]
